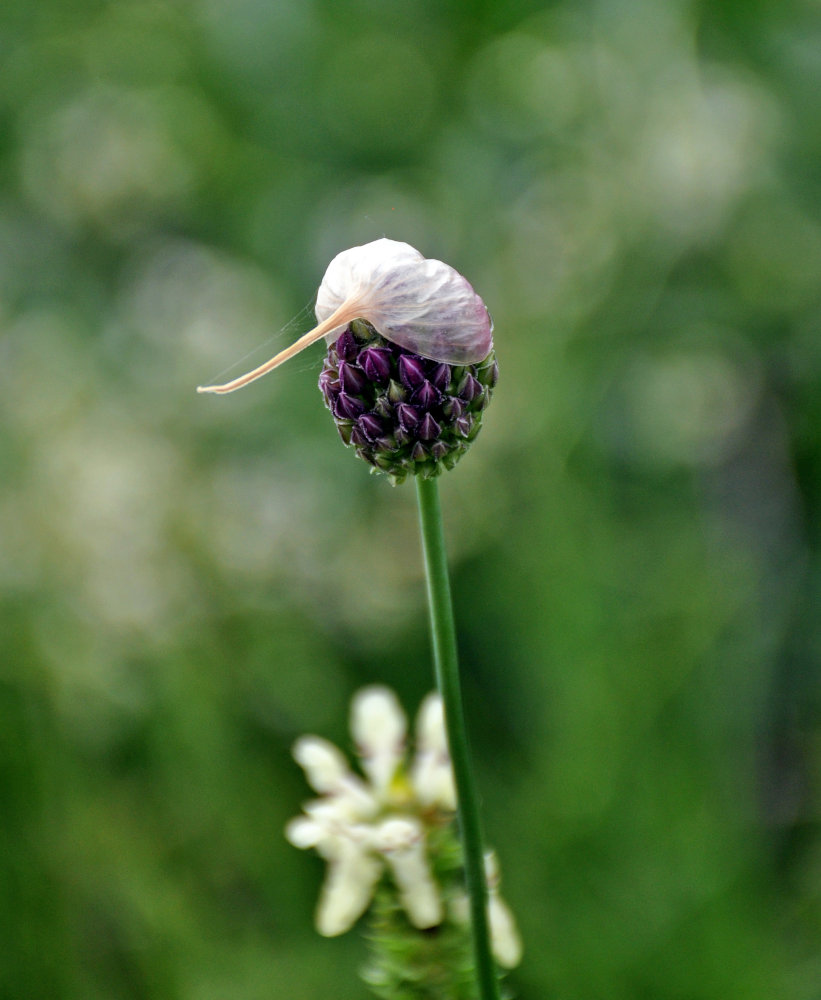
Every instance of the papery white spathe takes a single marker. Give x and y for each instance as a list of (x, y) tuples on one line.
[(421, 304)]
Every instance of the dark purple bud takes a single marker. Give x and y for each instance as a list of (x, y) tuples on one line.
[(329, 385), (408, 416), (439, 449), (428, 429), (426, 395), (397, 393), (418, 453), (347, 347), (376, 363), (441, 377), (469, 387), (352, 381), (453, 407), (348, 407), (370, 426), (464, 425), (358, 438), (411, 370)]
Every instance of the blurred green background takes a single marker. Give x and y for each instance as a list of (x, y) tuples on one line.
[(188, 583)]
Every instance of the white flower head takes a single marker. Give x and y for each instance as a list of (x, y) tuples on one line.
[(421, 304), (363, 827)]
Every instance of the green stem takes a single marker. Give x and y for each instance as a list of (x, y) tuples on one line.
[(447, 679)]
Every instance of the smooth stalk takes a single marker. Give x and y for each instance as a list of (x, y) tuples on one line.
[(447, 679)]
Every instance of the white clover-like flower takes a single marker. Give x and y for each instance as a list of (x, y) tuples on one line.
[(365, 826), (421, 304), (361, 827)]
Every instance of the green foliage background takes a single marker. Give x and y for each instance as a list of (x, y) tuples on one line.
[(188, 583)]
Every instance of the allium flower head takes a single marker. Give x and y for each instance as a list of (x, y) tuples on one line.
[(402, 413), (410, 364)]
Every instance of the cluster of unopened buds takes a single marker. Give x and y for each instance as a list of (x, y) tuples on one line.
[(390, 824)]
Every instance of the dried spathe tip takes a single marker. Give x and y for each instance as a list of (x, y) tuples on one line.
[(422, 305)]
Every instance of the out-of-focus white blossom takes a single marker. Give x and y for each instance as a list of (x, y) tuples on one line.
[(361, 827), (364, 827)]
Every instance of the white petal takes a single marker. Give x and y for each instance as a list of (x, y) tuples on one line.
[(430, 725), (402, 842), (504, 935), (432, 780), (422, 305), (378, 725), (347, 890), (304, 832), (432, 774), (324, 765)]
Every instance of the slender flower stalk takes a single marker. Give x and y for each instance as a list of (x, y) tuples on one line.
[(409, 371), (446, 663)]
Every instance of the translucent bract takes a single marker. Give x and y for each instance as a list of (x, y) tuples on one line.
[(422, 305)]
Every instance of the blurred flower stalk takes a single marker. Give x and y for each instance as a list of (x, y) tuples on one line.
[(391, 846), (409, 371)]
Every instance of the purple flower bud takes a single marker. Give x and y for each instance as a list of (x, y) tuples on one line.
[(329, 384), (347, 347), (376, 363), (428, 429), (348, 407), (405, 414), (441, 377), (464, 425), (370, 426), (426, 396), (358, 438), (453, 407), (352, 381), (411, 370), (408, 416), (469, 387)]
